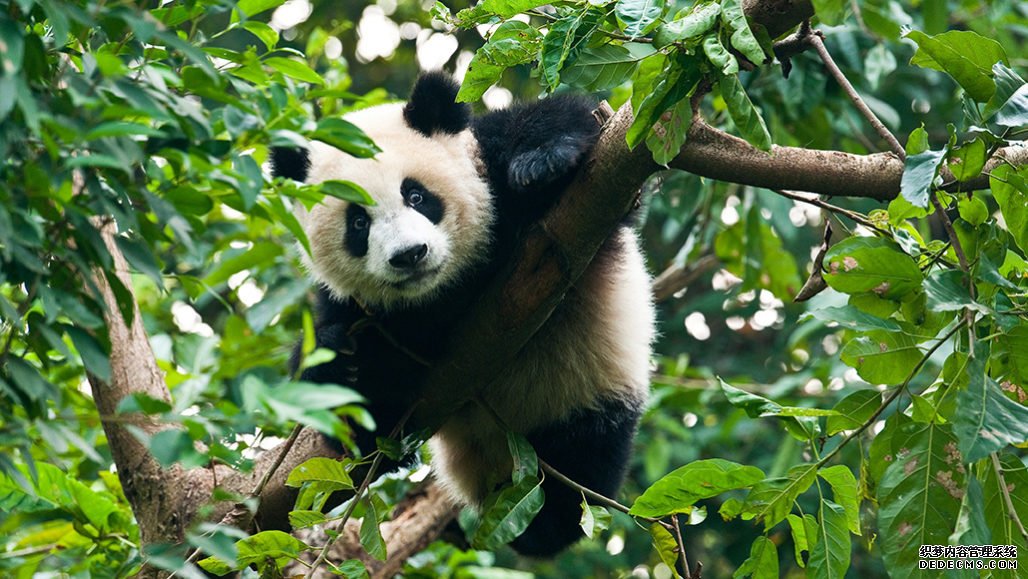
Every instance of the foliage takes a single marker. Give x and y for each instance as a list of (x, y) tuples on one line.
[(886, 413)]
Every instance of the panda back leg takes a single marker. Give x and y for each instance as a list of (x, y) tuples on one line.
[(592, 448)]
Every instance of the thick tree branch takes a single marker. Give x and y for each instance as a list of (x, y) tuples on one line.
[(712, 153)]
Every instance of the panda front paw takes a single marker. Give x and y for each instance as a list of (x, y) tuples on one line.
[(343, 369), (546, 165)]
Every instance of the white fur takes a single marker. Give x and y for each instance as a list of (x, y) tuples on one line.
[(445, 164)]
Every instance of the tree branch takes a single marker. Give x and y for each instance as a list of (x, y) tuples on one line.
[(712, 153)]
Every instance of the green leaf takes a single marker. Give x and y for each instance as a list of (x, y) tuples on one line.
[(263, 32), (605, 67), (512, 43), (851, 318), (262, 253), (294, 69), (871, 264), (1010, 189), (345, 136), (13, 48), (771, 499), (762, 562), (1015, 340), (830, 556), (676, 84), (269, 550), (120, 129), (967, 162), (326, 471), (844, 491), (854, 410), (829, 12), (743, 39), (882, 357), (556, 47), (526, 463), (919, 495), (141, 257), (677, 491), (972, 527), (919, 172), (346, 190), (250, 8), (718, 56), (988, 421), (301, 519), (28, 381), (998, 513), (917, 141), (692, 25), (508, 513), (964, 55), (973, 210), (746, 117), (666, 545), (759, 407), (370, 534), (637, 17), (594, 520), (171, 446), (946, 292), (503, 8), (1008, 82), (666, 146), (93, 355), (798, 528)]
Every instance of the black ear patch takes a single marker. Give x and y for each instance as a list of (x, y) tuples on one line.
[(291, 163), (433, 106)]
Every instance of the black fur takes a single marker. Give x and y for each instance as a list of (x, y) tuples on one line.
[(429, 204), (592, 449), (433, 106), (290, 163), (531, 153), (356, 238)]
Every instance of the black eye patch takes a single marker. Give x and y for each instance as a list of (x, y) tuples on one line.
[(358, 224), (418, 197)]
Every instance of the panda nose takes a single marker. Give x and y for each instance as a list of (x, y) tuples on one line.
[(410, 257)]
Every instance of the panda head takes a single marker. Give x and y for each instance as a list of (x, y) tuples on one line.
[(433, 212)]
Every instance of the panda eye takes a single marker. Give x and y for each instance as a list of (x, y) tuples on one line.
[(415, 198), (360, 222)]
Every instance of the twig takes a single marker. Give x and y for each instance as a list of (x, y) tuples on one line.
[(286, 447), (676, 278), (681, 548), (853, 215), (998, 468), (883, 131), (346, 515), (892, 396), (606, 501), (368, 478)]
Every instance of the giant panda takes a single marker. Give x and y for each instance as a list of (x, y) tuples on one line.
[(452, 194)]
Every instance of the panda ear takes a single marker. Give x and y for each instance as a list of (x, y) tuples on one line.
[(290, 162), (433, 106)]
